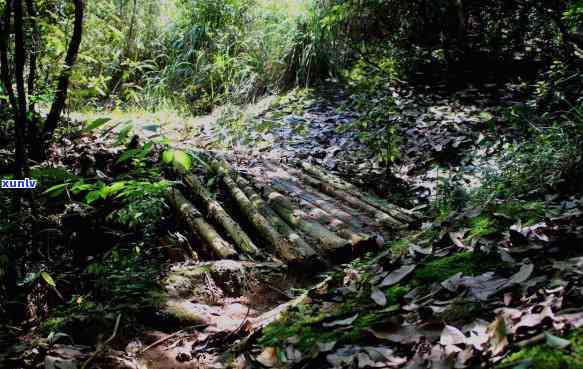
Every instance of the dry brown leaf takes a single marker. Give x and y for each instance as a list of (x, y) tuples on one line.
[(452, 336), (268, 357)]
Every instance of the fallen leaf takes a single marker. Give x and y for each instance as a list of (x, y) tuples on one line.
[(326, 346), (497, 331), (268, 357), (379, 297), (522, 275), (556, 342), (458, 238), (346, 321), (397, 275), (344, 355), (452, 336)]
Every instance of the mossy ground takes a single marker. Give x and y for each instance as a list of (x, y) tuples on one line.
[(547, 357), (304, 325), (467, 262)]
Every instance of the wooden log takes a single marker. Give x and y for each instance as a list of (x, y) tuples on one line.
[(391, 209), (194, 219), (380, 216), (216, 212), (283, 182), (262, 225), (301, 249), (336, 225), (297, 218), (319, 207)]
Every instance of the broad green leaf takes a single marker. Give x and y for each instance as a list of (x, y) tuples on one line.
[(124, 134), (116, 186), (92, 196), (182, 161), (56, 190), (47, 277), (168, 156), (96, 124), (128, 154)]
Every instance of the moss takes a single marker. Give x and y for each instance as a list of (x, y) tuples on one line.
[(395, 293), (547, 357), (482, 226), (56, 324), (529, 212), (468, 263), (400, 247), (305, 324)]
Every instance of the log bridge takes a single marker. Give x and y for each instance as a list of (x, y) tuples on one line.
[(294, 213)]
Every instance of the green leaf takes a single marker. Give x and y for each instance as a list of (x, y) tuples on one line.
[(92, 196), (56, 190), (47, 277), (168, 156), (182, 160), (124, 134), (128, 154), (96, 124), (116, 186)]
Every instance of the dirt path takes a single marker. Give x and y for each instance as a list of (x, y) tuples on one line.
[(282, 214)]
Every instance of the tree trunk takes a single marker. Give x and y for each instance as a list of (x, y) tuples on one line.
[(216, 212), (199, 226), (32, 67), (63, 82), (20, 161)]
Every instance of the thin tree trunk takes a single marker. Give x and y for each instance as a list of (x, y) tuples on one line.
[(63, 83), (32, 67), (5, 71), (19, 61)]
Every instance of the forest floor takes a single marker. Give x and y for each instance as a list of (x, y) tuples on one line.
[(495, 282)]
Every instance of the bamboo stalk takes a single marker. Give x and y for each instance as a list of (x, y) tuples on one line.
[(380, 216), (263, 225), (391, 209), (199, 226), (301, 249), (297, 218), (216, 212)]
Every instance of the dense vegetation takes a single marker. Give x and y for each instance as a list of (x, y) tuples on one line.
[(468, 113)]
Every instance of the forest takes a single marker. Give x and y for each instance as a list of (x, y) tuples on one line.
[(294, 184)]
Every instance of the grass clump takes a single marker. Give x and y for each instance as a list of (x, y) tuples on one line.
[(468, 263)]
